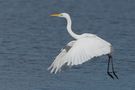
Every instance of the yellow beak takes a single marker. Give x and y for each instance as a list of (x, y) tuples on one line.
[(55, 14)]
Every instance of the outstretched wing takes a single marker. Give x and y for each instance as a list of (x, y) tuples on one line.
[(81, 51), (59, 60), (86, 48)]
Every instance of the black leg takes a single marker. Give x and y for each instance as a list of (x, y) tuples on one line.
[(108, 67), (109, 73), (113, 68)]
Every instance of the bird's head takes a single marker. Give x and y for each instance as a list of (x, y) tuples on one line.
[(60, 15)]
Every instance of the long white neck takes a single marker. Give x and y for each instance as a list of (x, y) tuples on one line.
[(69, 29)]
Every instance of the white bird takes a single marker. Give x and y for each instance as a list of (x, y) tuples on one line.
[(83, 48)]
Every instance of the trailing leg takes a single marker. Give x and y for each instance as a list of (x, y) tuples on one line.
[(110, 60), (108, 67), (113, 71)]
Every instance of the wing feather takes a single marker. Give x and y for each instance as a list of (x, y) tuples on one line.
[(59, 60), (87, 48), (81, 51)]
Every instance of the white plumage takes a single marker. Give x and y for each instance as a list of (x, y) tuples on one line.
[(85, 47)]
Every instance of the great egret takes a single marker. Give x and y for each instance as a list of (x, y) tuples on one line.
[(82, 49)]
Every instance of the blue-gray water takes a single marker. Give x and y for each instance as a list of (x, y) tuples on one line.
[(30, 39)]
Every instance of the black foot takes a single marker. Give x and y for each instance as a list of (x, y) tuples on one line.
[(109, 73), (115, 75)]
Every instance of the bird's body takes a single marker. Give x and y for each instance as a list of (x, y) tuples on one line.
[(82, 49)]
